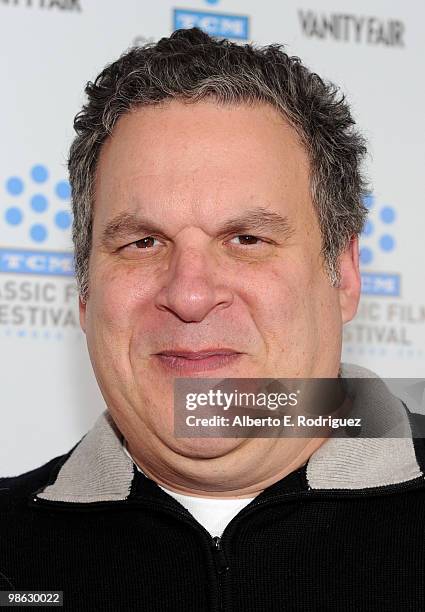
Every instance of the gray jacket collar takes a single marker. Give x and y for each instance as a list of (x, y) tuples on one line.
[(98, 469)]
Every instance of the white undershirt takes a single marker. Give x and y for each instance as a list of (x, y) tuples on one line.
[(213, 513)]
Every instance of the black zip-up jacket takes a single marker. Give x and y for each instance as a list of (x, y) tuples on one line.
[(345, 532)]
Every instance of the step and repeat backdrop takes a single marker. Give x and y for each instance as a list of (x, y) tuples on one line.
[(49, 49)]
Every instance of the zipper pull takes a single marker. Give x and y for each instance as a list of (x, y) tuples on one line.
[(221, 561)]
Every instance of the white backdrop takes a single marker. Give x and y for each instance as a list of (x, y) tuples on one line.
[(49, 49)]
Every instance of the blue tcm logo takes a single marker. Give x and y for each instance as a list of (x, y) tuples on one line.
[(378, 237), (380, 284), (40, 207), (214, 24), (48, 263), (38, 202)]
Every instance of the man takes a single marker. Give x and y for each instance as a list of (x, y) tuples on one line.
[(217, 198)]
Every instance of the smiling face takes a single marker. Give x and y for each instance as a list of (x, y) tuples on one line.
[(205, 239)]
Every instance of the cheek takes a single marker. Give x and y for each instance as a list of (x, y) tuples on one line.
[(114, 303), (116, 297), (281, 292), (290, 302)]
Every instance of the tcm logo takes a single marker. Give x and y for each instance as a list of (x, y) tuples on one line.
[(214, 24), (378, 238), (20, 261), (380, 284), (36, 204), (36, 212)]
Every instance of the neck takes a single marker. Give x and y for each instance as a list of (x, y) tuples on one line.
[(243, 472)]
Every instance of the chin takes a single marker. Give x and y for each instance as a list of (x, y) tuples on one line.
[(204, 448)]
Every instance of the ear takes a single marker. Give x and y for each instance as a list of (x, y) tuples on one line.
[(82, 309), (350, 285)]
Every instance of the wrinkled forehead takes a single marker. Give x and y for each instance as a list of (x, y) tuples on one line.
[(201, 159)]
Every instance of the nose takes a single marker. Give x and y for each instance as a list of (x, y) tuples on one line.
[(193, 288)]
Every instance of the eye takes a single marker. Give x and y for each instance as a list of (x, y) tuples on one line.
[(143, 243), (247, 239)]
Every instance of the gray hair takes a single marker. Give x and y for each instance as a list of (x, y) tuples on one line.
[(190, 65)]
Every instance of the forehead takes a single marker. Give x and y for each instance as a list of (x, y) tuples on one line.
[(202, 155)]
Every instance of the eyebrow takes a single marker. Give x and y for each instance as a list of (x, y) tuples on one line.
[(259, 218)]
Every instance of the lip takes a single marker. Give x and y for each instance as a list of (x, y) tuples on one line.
[(198, 354), (187, 362)]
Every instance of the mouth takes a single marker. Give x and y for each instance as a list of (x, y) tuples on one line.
[(186, 362)]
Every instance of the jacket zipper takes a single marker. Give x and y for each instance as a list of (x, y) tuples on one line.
[(222, 566)]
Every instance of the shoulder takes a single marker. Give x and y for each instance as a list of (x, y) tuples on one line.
[(14, 490)]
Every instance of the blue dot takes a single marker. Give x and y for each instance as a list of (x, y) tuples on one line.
[(211, 1), (13, 216), (38, 232), (63, 190), (387, 242), (368, 228), (387, 214), (368, 200), (39, 173), (63, 219), (366, 255), (39, 203), (14, 185)]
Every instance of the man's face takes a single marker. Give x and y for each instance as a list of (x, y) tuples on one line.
[(205, 239)]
